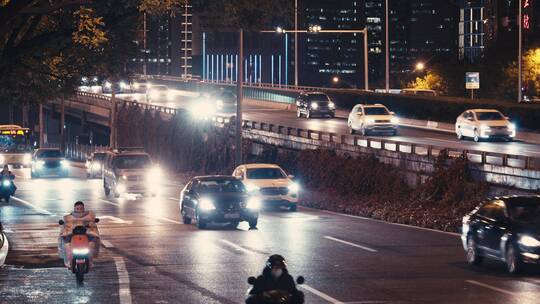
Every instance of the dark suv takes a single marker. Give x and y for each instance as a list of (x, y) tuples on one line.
[(315, 103), (506, 229)]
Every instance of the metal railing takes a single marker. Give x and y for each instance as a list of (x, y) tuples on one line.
[(78, 152)]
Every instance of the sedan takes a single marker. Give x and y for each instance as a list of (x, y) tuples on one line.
[(484, 124), (218, 199), (94, 165), (49, 162), (505, 229)]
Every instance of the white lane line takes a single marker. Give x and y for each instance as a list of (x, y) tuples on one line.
[(350, 244), (174, 199), (236, 247), (320, 294), (109, 202), (164, 219), (507, 292), (123, 281), (115, 219), (107, 244), (32, 205)]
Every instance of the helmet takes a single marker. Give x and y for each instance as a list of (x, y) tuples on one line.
[(276, 260)]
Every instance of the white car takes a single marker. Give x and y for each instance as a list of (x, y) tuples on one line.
[(4, 246), (271, 183), (159, 94), (372, 118), (484, 124)]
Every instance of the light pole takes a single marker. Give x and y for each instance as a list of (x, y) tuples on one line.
[(387, 51), (520, 68), (295, 43), (240, 96)]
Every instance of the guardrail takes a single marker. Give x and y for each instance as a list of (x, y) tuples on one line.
[(479, 157), (78, 152)]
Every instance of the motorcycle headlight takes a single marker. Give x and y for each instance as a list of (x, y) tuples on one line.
[(27, 159), (6, 183), (206, 204), (253, 203), (331, 105), (314, 105), (529, 241), (80, 251), (294, 188), (252, 188)]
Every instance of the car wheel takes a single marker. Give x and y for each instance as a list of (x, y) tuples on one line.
[(476, 137), (107, 189), (201, 224), (253, 223), (473, 258), (293, 208), (459, 134), (514, 265), (186, 219)]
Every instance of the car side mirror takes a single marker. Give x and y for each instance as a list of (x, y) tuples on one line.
[(96, 220), (251, 280), (507, 118), (60, 222), (392, 113), (290, 176), (300, 280)]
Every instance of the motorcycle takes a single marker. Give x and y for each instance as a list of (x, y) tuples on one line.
[(276, 296), (7, 188), (80, 251)]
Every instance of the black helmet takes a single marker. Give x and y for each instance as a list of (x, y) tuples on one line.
[(276, 260)]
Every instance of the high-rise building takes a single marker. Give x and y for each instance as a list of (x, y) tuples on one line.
[(477, 27)]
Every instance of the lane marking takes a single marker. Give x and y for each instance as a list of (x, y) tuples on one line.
[(350, 244), (238, 248), (508, 292), (115, 219), (320, 294), (109, 202), (164, 219), (107, 244), (174, 199), (46, 212), (123, 281)]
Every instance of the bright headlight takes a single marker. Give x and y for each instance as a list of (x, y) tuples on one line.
[(40, 163), (108, 85), (512, 126), (253, 203), (370, 120), (394, 120), (331, 105), (206, 204), (294, 187), (529, 241), (314, 105), (27, 159), (154, 174), (485, 128), (96, 166), (124, 177), (80, 251), (64, 163), (2, 159), (201, 109), (120, 188), (6, 183), (252, 188)]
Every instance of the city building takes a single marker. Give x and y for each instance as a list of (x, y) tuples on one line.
[(478, 23)]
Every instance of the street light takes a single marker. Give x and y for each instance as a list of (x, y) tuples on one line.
[(280, 30), (420, 66), (335, 79), (314, 28)]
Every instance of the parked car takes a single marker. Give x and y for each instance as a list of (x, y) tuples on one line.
[(270, 183), (49, 162), (505, 229), (484, 124), (94, 165), (372, 119), (314, 103), (218, 199)]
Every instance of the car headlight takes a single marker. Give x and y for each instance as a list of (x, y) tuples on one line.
[(64, 163), (252, 188), (201, 109), (331, 105), (485, 128), (512, 127), (529, 241), (81, 251), (27, 159), (40, 163), (108, 85), (294, 187), (370, 120), (206, 204), (394, 120), (2, 159), (123, 85), (124, 177), (154, 95), (154, 174), (6, 183), (253, 203), (96, 166), (314, 105), (120, 188)]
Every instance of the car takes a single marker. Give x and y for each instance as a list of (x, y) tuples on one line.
[(506, 229), (218, 199), (310, 104), (94, 165), (140, 85), (418, 92), (130, 170), (374, 118), (117, 87), (49, 162), (159, 94), (4, 246), (225, 102), (481, 124), (271, 184)]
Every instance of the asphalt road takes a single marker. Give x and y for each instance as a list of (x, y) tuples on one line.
[(149, 256)]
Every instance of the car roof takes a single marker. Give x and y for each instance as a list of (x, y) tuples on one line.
[(372, 105), (314, 93), (214, 177), (254, 166), (484, 110), (130, 153), (48, 149)]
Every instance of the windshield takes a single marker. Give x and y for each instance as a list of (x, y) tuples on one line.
[(159, 88), (525, 211), (318, 97), (13, 143), (98, 156), (489, 116), (131, 161), (376, 111), (49, 154), (265, 173), (219, 186)]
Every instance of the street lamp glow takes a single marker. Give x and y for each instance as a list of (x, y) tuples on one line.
[(335, 79), (280, 30), (420, 66)]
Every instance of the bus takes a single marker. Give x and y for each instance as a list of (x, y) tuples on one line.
[(15, 146)]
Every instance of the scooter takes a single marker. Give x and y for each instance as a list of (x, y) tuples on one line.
[(7, 188), (276, 296), (80, 251)]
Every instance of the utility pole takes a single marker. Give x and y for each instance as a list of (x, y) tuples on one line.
[(62, 124), (520, 67), (387, 51), (295, 43), (41, 127), (366, 61), (144, 44), (240, 97), (112, 121)]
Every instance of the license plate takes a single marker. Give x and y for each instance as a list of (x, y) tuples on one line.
[(232, 216), (80, 261)]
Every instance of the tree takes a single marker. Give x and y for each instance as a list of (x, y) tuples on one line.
[(430, 81), (531, 76)]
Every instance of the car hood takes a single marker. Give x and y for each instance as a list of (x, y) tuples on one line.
[(494, 123), (379, 117), (131, 172), (529, 229), (264, 183), (225, 200), (50, 159)]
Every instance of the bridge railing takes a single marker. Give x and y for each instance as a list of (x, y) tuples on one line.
[(78, 152)]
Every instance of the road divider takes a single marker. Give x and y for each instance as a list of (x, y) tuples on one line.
[(350, 244)]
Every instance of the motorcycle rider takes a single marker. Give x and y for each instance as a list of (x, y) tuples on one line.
[(79, 217), (5, 173), (274, 277)]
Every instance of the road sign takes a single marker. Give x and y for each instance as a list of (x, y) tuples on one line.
[(472, 80)]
